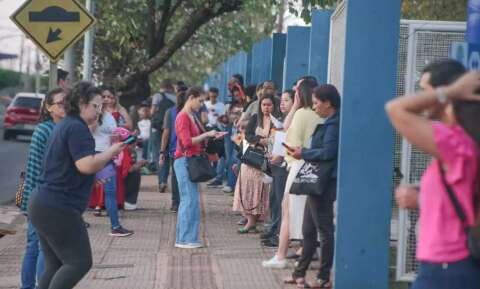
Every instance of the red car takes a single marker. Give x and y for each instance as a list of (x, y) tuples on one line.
[(22, 115)]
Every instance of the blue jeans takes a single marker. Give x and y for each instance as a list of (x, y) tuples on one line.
[(33, 262), (110, 190), (188, 218), (464, 274), (163, 171), (154, 146), (220, 169), (230, 159)]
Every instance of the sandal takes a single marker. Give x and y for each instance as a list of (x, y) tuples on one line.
[(318, 284), (97, 213), (295, 281), (252, 229)]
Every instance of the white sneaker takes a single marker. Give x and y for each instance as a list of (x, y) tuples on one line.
[(129, 207), (227, 189), (275, 263), (189, 246)]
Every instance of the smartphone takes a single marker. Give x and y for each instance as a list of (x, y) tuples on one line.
[(287, 147), (131, 139)]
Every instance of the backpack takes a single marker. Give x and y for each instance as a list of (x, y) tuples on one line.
[(159, 115)]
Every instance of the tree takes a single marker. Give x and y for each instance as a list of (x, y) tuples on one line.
[(137, 37), (219, 39), (446, 10)]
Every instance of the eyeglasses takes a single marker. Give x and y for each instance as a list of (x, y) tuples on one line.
[(98, 107), (59, 103)]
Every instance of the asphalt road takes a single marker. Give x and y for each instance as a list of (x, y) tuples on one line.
[(13, 155)]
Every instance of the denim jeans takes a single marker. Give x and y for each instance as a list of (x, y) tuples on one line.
[(175, 192), (154, 146), (276, 197), (464, 274), (163, 171), (230, 159), (188, 218), (145, 145), (33, 261), (110, 189), (220, 169)]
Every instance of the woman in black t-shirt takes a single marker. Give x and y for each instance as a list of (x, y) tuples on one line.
[(66, 182)]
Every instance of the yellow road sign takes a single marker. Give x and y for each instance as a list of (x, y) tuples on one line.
[(53, 25)]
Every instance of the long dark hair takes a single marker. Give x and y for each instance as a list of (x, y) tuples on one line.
[(82, 93), (260, 113), (467, 114), (181, 99), (306, 89), (48, 101)]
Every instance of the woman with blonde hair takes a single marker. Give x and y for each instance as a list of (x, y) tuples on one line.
[(300, 124)]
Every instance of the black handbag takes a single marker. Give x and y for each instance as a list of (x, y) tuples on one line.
[(473, 232), (255, 158), (313, 178), (200, 169)]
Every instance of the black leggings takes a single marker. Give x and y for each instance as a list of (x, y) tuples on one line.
[(65, 244)]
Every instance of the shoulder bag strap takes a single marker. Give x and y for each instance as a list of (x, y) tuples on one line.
[(451, 195)]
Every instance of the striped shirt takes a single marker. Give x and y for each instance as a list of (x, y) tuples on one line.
[(38, 146)]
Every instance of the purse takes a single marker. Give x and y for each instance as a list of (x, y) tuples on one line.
[(20, 190), (473, 232), (199, 168), (255, 158), (313, 178)]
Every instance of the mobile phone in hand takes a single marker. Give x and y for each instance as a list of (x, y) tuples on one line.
[(288, 147), (131, 139)]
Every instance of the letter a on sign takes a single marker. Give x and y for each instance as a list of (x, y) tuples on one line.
[(53, 25)]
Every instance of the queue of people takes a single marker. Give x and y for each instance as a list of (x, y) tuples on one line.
[(275, 153)]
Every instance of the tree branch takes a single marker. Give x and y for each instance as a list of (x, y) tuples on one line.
[(151, 33), (161, 27), (197, 19)]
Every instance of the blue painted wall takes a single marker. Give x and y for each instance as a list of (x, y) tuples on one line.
[(279, 43), (297, 54), (319, 45), (366, 145)]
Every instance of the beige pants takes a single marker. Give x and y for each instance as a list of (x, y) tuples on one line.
[(296, 203)]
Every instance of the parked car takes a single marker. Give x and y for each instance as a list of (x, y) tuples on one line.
[(22, 115)]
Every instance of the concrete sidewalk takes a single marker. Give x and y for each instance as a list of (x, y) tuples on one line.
[(148, 258)]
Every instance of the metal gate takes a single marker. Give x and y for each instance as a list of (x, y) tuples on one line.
[(420, 43)]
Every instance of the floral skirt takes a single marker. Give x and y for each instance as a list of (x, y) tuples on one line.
[(251, 194)]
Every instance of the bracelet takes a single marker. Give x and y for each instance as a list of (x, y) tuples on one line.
[(441, 95)]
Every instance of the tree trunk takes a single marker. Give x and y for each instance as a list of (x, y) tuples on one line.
[(136, 91)]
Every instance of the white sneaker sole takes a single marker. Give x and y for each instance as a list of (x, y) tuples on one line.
[(266, 264), (187, 246)]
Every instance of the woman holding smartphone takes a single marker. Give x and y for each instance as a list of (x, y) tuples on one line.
[(66, 182), (190, 142), (300, 123)]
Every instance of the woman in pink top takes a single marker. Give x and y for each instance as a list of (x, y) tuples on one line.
[(190, 142), (445, 261)]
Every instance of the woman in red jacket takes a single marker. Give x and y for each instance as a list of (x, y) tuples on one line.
[(190, 142)]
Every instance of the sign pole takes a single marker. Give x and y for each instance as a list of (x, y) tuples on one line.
[(52, 82), (88, 47)]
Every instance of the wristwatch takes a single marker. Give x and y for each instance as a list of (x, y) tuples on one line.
[(441, 95)]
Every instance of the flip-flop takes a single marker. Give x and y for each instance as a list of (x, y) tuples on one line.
[(294, 281), (323, 284)]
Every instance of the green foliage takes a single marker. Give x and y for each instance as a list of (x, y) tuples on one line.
[(303, 8), (218, 40), (9, 78), (446, 10)]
